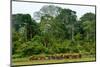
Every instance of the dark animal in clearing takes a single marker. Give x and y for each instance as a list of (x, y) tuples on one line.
[(56, 57)]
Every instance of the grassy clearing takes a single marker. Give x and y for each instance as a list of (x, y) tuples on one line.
[(25, 61)]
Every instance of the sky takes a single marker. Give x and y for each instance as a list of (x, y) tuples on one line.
[(30, 8)]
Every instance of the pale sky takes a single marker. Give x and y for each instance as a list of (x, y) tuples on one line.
[(30, 8)]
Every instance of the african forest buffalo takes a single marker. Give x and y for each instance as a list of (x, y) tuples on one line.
[(33, 58), (56, 57)]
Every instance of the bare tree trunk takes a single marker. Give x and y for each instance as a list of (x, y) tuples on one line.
[(72, 33)]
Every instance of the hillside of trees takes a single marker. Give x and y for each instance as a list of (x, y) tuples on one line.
[(53, 30)]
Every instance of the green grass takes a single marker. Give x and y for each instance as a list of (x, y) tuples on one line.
[(25, 61)]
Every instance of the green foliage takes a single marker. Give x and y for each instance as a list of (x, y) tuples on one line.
[(31, 48), (58, 31), (88, 17)]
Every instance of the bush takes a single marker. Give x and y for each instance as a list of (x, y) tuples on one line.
[(15, 47), (31, 48)]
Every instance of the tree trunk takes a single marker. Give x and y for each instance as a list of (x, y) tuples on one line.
[(72, 33)]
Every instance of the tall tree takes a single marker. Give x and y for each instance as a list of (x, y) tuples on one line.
[(46, 29), (24, 22), (51, 10), (67, 20), (88, 21)]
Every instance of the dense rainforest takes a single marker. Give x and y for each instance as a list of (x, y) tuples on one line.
[(53, 30)]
